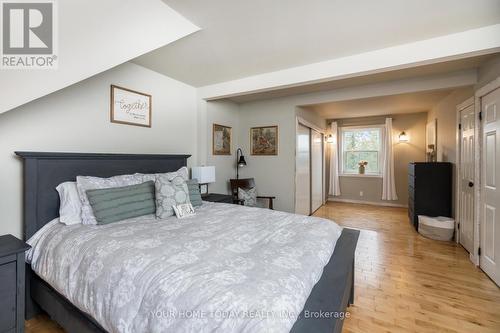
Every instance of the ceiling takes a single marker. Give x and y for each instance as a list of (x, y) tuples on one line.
[(414, 72), (240, 38), (377, 106)]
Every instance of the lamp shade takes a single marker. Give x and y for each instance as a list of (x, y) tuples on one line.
[(204, 174), (242, 162), (403, 137)]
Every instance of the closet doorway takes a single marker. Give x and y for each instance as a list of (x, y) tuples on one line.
[(309, 168)]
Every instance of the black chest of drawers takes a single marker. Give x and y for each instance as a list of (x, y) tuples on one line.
[(429, 190)]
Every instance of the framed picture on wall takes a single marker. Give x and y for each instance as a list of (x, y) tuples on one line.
[(221, 140), (130, 107), (264, 140)]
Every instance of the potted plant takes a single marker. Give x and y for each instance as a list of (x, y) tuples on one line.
[(362, 165)]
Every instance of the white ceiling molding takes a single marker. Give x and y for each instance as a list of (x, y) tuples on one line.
[(455, 46), (403, 86), (95, 36), (377, 106)]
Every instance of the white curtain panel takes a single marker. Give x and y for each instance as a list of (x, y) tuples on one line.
[(334, 188), (388, 181)]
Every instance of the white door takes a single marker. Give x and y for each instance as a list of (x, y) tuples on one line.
[(466, 195), (490, 181), (302, 171), (316, 170)]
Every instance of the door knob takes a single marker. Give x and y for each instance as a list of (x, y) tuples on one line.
[(471, 184)]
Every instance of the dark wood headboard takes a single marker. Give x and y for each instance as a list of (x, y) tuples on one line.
[(43, 171)]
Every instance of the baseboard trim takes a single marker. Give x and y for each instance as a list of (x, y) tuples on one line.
[(372, 203)]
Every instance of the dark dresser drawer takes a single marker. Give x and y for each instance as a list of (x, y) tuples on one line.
[(8, 296)]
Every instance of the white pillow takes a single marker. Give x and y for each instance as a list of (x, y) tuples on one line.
[(183, 172), (70, 209), (85, 183), (184, 210)]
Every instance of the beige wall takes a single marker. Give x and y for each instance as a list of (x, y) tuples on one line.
[(488, 72), (404, 153), (76, 119), (446, 114)]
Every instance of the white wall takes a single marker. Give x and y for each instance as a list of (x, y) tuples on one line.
[(274, 175), (223, 113), (76, 119)]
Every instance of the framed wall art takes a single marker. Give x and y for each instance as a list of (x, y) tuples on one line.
[(264, 140), (221, 140), (130, 107)]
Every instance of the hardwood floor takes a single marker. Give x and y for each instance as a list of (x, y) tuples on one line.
[(404, 282), (407, 283)]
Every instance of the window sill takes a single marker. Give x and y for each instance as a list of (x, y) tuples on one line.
[(360, 175)]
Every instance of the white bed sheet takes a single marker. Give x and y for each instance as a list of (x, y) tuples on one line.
[(228, 269)]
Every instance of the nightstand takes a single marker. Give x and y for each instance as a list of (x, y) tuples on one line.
[(215, 197), (12, 283)]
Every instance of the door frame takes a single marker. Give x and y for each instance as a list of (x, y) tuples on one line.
[(458, 140), (478, 146), (304, 122)]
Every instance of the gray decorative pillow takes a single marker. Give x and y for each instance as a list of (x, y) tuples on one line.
[(170, 193), (119, 203), (194, 192), (249, 196), (85, 183)]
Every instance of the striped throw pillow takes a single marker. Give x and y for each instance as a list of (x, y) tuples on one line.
[(194, 192), (119, 203)]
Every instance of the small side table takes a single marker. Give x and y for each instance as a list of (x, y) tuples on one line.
[(12, 283)]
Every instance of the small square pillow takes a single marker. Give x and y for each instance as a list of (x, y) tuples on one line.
[(70, 208), (170, 193), (249, 196), (184, 210)]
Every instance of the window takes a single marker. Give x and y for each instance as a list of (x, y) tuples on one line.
[(361, 144)]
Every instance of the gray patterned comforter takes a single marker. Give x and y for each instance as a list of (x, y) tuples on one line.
[(228, 269)]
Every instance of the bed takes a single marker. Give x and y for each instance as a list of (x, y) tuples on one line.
[(324, 306)]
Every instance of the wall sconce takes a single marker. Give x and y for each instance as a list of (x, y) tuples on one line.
[(329, 138), (403, 137)]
